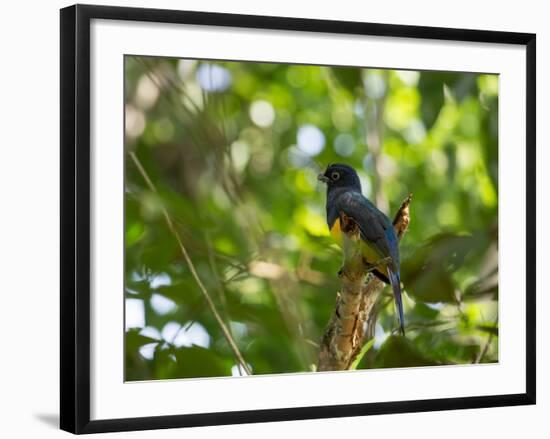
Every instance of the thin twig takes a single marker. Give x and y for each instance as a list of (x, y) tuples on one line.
[(374, 123), (191, 266), (485, 349)]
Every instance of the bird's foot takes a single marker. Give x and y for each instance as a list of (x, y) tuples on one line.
[(346, 272), (371, 267)]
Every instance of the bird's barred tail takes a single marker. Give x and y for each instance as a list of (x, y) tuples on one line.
[(396, 286)]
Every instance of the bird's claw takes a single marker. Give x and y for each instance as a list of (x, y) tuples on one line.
[(371, 267)]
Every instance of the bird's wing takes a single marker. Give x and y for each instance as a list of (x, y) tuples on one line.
[(376, 229)]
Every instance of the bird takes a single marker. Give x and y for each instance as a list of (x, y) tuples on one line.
[(348, 210)]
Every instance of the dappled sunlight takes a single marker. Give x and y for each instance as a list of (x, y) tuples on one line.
[(134, 121), (344, 144), (213, 78), (151, 332), (147, 351), (262, 113), (188, 334), (147, 92), (380, 336), (162, 305), (297, 157), (311, 140), (134, 314), (238, 371)]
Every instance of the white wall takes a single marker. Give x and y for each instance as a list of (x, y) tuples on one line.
[(29, 209)]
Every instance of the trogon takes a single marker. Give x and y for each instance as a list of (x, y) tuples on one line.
[(378, 241)]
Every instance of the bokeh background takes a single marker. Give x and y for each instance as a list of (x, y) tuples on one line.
[(232, 151)]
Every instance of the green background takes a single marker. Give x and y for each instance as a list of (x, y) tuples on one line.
[(233, 150)]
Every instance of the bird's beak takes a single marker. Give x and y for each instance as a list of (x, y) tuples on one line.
[(323, 178)]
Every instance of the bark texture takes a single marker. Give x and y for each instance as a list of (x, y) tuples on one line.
[(347, 330)]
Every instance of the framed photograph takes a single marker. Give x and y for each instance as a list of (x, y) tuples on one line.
[(268, 218)]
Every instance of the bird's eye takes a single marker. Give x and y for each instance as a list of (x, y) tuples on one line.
[(335, 175)]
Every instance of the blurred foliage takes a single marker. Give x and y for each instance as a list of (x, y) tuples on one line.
[(233, 149)]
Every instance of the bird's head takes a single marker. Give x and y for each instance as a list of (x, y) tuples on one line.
[(339, 175)]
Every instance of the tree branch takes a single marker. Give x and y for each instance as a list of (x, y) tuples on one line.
[(347, 330)]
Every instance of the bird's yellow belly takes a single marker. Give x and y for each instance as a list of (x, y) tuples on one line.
[(336, 231), (369, 253)]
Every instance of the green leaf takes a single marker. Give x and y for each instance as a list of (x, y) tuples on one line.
[(349, 78), (427, 271), (490, 329), (134, 339), (399, 351), (366, 347), (196, 361)]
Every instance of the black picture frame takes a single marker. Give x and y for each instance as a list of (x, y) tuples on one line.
[(75, 216)]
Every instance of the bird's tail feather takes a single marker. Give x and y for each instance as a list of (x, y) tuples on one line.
[(396, 286)]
